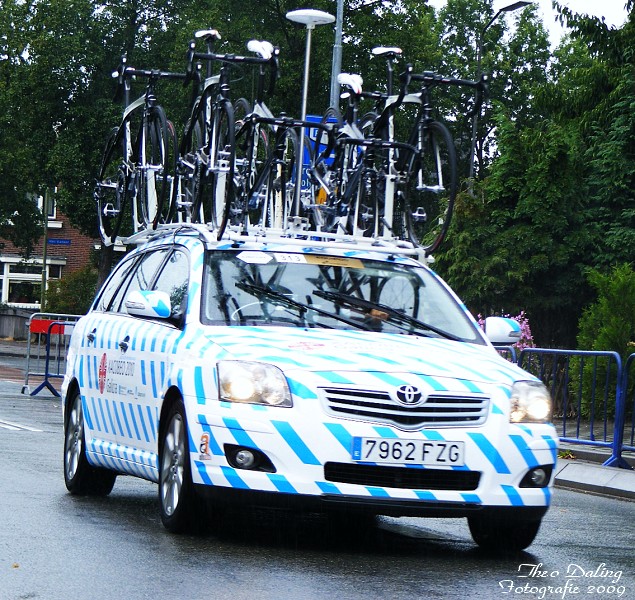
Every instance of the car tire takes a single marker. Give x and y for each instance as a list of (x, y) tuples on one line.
[(80, 476), (503, 534), (181, 509)]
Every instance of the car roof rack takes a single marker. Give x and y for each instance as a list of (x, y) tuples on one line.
[(291, 236)]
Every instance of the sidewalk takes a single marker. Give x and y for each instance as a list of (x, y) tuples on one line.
[(584, 473), (13, 348)]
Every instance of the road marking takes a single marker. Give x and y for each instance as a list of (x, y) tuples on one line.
[(17, 427)]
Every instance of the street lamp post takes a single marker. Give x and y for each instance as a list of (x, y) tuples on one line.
[(479, 52), (309, 18), (337, 54)]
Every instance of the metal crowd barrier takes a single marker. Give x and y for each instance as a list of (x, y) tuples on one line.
[(47, 344), (590, 392)]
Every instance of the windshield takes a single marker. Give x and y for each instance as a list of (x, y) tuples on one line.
[(248, 288)]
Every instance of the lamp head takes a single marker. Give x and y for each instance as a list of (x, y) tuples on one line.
[(515, 6), (310, 17)]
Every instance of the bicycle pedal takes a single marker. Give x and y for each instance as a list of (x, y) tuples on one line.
[(110, 185), (110, 211)]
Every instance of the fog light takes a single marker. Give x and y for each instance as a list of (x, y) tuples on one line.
[(245, 459), (242, 457), (537, 478)]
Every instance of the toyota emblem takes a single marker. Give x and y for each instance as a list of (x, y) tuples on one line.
[(409, 395)]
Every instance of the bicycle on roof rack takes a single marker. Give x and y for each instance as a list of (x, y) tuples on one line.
[(206, 190), (354, 174), (137, 167), (429, 178), (392, 189), (267, 148)]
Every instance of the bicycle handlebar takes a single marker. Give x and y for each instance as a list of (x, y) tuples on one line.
[(272, 62), (125, 73), (429, 79)]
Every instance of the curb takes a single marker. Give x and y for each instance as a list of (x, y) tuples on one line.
[(595, 479)]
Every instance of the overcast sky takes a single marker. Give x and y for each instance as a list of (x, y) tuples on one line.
[(612, 10)]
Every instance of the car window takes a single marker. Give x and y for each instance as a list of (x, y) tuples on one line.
[(306, 290), (119, 276), (140, 278), (173, 280)]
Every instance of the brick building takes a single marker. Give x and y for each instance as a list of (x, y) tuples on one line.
[(67, 250)]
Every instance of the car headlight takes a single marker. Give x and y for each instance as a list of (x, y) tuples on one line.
[(530, 402), (253, 383)]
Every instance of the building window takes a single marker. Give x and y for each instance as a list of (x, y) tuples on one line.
[(51, 209), (55, 271), (24, 292), (25, 268), (21, 281)]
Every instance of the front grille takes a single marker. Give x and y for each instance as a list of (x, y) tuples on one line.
[(401, 477), (438, 409)]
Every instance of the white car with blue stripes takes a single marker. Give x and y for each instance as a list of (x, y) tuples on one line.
[(345, 378)]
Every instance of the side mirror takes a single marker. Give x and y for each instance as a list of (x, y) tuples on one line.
[(146, 303), (502, 331)]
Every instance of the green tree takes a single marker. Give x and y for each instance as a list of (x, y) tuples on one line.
[(557, 197), (606, 324), (73, 294)]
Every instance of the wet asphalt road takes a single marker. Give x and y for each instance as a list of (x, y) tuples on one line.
[(55, 546)]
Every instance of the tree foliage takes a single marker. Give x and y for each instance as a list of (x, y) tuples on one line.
[(555, 141)]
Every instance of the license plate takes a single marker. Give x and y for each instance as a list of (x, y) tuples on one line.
[(397, 451)]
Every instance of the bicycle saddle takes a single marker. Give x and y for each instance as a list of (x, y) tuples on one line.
[(261, 47), (352, 80), (207, 34), (390, 51)]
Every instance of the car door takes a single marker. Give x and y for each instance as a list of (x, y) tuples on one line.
[(111, 376), (148, 345)]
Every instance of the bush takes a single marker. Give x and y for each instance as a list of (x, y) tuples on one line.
[(608, 324), (73, 294)]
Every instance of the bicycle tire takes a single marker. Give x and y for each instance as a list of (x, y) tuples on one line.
[(332, 116), (307, 192), (363, 216), (152, 168), (111, 190), (242, 108), (431, 187), (277, 182), (169, 213), (189, 168), (366, 216), (252, 151), (216, 191)]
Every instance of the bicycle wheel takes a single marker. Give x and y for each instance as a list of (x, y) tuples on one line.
[(111, 191), (252, 150), (153, 168), (242, 108), (430, 188), (188, 171), (277, 183), (222, 165), (216, 162), (323, 174), (363, 217), (169, 213), (366, 180)]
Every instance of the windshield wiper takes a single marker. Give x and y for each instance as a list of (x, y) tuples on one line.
[(283, 300), (382, 312)]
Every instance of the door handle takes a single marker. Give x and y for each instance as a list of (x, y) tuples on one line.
[(91, 336), (123, 344)]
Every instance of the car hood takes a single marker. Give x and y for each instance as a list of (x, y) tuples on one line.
[(318, 350)]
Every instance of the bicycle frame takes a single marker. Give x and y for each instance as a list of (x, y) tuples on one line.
[(215, 164), (135, 171)]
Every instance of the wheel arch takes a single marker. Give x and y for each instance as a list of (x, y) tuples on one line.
[(172, 396), (72, 388)]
